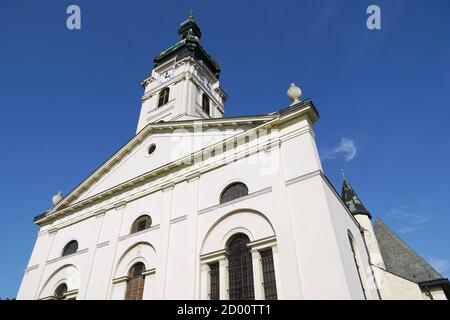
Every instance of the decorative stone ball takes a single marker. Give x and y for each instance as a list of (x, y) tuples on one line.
[(57, 198), (294, 93)]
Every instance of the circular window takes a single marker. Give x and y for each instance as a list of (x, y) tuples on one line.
[(151, 149)]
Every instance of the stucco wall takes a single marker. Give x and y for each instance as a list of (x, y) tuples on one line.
[(288, 205)]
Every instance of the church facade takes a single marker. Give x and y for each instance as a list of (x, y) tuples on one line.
[(201, 206)]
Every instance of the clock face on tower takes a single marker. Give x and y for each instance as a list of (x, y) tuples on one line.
[(166, 76)]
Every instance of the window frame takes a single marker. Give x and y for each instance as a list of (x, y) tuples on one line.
[(233, 197), (66, 252), (214, 277), (151, 149), (136, 282), (57, 293), (268, 274), (142, 218), (206, 104), (163, 97), (240, 268)]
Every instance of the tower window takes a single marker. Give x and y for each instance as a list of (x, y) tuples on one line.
[(270, 285), (60, 292), (141, 223), (205, 103), (163, 97), (135, 284), (234, 191), (215, 281), (240, 270), (70, 248)]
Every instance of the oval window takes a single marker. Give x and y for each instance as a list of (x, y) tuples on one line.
[(151, 149)]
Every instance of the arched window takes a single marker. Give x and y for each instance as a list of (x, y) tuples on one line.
[(163, 97), (205, 103), (135, 284), (234, 191), (355, 258), (141, 223), (70, 248), (240, 268), (60, 292)]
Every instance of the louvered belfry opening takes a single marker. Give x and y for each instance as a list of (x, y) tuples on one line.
[(240, 269), (270, 285), (135, 284)]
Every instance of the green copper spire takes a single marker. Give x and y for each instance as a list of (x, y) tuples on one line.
[(188, 46), (351, 200), (189, 28)]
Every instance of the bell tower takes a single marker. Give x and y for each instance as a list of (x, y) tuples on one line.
[(184, 83)]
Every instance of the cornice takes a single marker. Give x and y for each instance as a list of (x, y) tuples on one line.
[(136, 234), (263, 243), (175, 220), (120, 280), (31, 268), (234, 201), (149, 272), (214, 256)]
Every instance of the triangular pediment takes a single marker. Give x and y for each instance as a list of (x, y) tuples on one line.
[(172, 141)]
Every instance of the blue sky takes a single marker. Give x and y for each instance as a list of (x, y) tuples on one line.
[(70, 99)]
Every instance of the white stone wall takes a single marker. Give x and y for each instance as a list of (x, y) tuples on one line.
[(396, 288), (290, 208)]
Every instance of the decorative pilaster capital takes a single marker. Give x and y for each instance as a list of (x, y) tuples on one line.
[(120, 205), (193, 177), (167, 187), (100, 213)]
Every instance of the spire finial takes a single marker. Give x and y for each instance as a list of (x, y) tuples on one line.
[(343, 174), (191, 15)]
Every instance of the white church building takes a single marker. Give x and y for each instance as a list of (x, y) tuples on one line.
[(201, 206)]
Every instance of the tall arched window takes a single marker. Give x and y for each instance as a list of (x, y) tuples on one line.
[(141, 223), (60, 292), (205, 103), (70, 248), (163, 97), (355, 258), (234, 191), (240, 268), (135, 284)]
